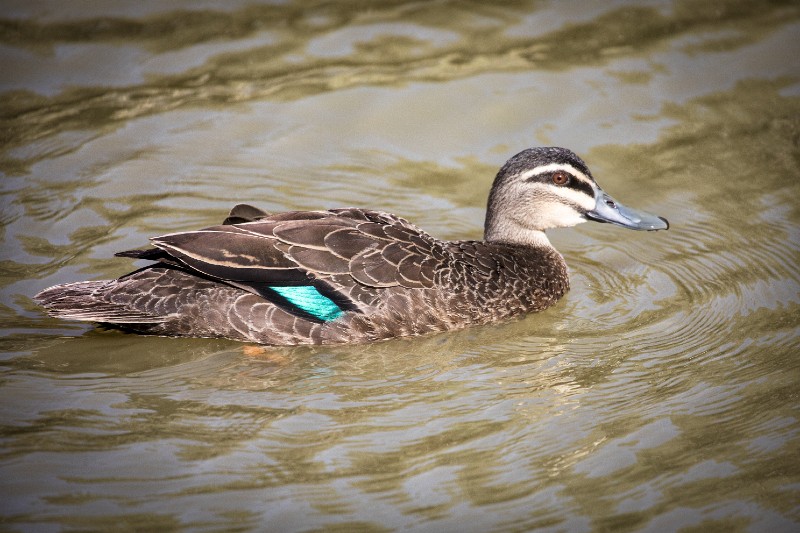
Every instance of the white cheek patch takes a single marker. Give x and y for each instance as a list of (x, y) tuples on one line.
[(558, 216), (580, 198), (555, 207)]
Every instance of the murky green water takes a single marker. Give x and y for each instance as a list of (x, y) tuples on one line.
[(661, 394)]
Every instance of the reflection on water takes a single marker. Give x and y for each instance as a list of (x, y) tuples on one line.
[(659, 394)]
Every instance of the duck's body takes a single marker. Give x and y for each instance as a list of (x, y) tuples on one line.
[(352, 275), (339, 276)]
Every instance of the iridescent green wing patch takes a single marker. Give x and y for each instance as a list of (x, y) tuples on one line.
[(309, 300)]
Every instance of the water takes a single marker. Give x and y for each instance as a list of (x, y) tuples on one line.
[(660, 394)]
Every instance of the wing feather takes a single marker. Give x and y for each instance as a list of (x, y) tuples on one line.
[(302, 233), (317, 261)]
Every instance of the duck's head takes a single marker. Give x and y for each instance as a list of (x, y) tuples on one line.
[(543, 188)]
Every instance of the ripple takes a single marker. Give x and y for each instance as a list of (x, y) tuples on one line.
[(665, 380)]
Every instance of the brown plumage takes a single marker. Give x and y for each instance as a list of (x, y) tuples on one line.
[(352, 275)]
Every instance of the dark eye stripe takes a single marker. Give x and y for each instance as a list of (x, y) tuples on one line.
[(580, 185), (574, 183)]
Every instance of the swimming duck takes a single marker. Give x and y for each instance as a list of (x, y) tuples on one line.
[(355, 275)]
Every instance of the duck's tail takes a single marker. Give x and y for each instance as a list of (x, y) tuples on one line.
[(85, 301)]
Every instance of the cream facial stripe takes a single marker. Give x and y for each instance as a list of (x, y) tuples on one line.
[(552, 167)]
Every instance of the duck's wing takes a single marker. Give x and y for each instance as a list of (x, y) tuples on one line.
[(312, 263), (240, 214)]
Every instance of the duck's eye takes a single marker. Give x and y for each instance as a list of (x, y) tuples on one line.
[(560, 178)]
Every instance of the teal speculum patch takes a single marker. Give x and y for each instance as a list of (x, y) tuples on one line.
[(311, 301)]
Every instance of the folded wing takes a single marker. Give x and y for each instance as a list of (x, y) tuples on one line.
[(314, 264)]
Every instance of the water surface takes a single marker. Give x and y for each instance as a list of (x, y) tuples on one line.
[(660, 394)]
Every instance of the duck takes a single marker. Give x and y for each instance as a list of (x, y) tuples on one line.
[(354, 275)]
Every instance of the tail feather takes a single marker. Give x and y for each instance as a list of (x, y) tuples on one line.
[(84, 301)]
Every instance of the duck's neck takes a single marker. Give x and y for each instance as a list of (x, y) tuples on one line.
[(507, 231)]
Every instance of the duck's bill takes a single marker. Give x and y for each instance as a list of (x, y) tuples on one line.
[(609, 210)]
